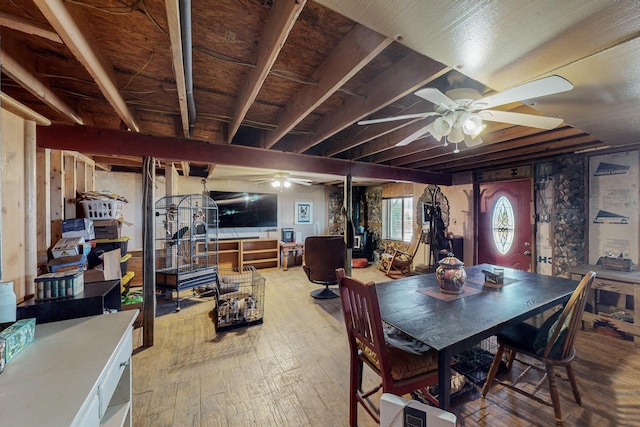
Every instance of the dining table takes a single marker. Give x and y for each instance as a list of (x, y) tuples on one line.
[(452, 323)]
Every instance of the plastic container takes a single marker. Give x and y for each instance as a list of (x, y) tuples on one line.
[(110, 244), (7, 303), (102, 209), (124, 261)]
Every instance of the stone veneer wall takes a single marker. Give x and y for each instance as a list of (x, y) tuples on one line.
[(569, 213), (373, 196)]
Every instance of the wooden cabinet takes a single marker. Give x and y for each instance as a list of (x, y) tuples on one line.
[(76, 373), (613, 300), (259, 253)]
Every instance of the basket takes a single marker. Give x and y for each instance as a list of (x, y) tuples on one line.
[(102, 209)]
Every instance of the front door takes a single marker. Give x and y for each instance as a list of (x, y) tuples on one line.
[(505, 230)]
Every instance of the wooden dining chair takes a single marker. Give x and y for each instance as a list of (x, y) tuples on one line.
[(404, 367), (552, 344)]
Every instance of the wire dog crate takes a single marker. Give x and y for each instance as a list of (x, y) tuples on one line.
[(240, 298)]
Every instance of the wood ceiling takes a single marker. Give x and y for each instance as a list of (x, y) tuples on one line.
[(294, 77)]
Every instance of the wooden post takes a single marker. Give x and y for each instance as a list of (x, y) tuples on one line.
[(148, 250), (30, 214), (348, 224)]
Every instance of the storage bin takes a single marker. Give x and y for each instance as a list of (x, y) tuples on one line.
[(124, 261), (102, 209), (107, 229), (110, 244)]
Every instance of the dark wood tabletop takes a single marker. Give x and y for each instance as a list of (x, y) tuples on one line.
[(455, 325)]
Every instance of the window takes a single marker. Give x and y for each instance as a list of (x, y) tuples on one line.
[(503, 225), (397, 218)]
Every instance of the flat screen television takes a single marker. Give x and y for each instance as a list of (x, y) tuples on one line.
[(244, 209)]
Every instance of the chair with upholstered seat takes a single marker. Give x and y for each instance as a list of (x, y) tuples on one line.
[(322, 255), (404, 364), (552, 344), (397, 262)]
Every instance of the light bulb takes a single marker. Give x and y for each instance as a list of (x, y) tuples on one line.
[(471, 123), (275, 183), (287, 184)]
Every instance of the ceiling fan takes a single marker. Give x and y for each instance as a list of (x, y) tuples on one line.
[(280, 180), (461, 111)]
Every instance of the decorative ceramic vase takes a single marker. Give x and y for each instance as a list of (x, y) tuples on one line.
[(451, 275)]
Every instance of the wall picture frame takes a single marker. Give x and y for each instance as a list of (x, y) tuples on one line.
[(304, 213)]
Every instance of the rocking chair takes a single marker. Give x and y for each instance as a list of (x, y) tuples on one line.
[(398, 263)]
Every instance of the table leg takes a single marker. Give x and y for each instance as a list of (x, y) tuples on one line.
[(285, 259), (444, 379)]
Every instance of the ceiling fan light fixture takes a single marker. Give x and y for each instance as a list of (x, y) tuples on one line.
[(276, 183), (456, 135), (442, 125), (471, 123), (286, 184)]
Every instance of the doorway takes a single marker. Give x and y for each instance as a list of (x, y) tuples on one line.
[(505, 226)]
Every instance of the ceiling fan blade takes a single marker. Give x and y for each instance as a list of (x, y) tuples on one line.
[(433, 95), (530, 120), (472, 142), (535, 89), (394, 118), (300, 181), (417, 134)]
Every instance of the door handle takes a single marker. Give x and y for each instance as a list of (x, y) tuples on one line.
[(527, 244), (527, 253)]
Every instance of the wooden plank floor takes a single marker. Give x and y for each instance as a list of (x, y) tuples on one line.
[(293, 370)]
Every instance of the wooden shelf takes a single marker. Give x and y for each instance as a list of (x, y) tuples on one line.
[(260, 253)]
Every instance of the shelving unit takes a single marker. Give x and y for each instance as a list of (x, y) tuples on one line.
[(258, 253)]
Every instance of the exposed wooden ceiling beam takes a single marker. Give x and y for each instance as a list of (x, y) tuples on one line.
[(126, 162), (404, 77), (365, 134), (175, 35), (72, 29), (22, 110), (280, 22), (355, 51), (210, 169), (185, 168), (30, 82), (111, 142), (28, 27)]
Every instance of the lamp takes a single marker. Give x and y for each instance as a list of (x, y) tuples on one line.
[(470, 123), (457, 127), (280, 183)]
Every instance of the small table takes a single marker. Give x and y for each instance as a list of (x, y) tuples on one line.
[(452, 325), (290, 247)]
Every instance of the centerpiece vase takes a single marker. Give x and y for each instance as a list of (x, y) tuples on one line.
[(450, 275)]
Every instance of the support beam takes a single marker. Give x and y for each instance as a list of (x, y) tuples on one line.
[(355, 51), (30, 82), (76, 37), (30, 208), (148, 252), (111, 142), (22, 110), (28, 27), (185, 168), (175, 35), (280, 22), (404, 77)]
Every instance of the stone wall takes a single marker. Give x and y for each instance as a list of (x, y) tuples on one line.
[(569, 222)]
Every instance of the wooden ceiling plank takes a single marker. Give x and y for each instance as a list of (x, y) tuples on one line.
[(30, 82), (404, 77), (387, 143), (72, 29), (28, 26), (281, 20), (210, 170), (111, 142), (355, 51), (175, 36)]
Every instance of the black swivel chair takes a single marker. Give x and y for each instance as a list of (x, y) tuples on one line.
[(322, 256)]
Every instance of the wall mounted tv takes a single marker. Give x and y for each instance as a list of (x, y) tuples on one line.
[(242, 209)]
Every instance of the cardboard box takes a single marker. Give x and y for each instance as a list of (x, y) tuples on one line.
[(108, 270), (69, 246), (68, 263), (107, 229), (78, 227), (59, 285), (17, 336)]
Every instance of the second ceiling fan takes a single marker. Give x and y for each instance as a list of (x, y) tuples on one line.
[(460, 112)]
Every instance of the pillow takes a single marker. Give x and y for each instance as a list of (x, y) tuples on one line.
[(546, 331)]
